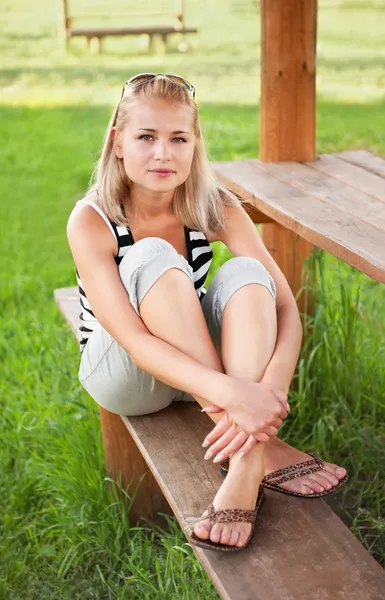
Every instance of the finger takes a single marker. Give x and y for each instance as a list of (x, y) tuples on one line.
[(261, 437), (270, 431), (220, 428), (282, 414), (248, 445), (283, 398), (277, 423), (237, 442), (212, 409), (224, 440)]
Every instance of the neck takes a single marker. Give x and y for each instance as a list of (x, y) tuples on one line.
[(146, 204)]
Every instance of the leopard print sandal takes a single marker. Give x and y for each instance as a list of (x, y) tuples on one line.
[(273, 480), (232, 515)]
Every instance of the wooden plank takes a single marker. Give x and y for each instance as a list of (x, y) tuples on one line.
[(353, 176), (365, 207), (288, 72), (325, 226), (100, 32), (300, 550), (365, 159)]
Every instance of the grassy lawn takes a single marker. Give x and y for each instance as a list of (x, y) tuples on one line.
[(63, 534)]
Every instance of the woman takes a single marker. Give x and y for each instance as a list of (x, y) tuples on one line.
[(151, 332)]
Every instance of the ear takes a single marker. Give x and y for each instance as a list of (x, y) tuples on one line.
[(118, 148)]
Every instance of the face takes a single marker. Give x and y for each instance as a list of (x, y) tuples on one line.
[(158, 145)]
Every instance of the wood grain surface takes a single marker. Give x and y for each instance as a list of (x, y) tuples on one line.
[(334, 204)]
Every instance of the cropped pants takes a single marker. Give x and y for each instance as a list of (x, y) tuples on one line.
[(106, 369)]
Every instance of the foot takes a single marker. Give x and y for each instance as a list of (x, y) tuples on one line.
[(239, 490), (278, 455)]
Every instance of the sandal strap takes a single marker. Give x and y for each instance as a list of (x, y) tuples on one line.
[(297, 470), (230, 515)]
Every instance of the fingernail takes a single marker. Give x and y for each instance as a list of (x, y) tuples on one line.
[(209, 455), (204, 409), (205, 444), (218, 458)]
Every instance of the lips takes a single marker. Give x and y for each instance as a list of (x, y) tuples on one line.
[(162, 171)]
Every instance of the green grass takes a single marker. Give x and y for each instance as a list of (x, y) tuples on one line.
[(63, 533)]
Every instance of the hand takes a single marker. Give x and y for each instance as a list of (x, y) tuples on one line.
[(257, 408), (227, 438)]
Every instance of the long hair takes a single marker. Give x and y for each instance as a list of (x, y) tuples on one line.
[(198, 202)]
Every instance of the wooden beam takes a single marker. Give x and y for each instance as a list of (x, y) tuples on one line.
[(287, 116), (288, 80)]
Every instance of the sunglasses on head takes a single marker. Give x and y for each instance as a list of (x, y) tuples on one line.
[(143, 78)]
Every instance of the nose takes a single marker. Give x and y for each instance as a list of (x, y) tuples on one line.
[(162, 150)]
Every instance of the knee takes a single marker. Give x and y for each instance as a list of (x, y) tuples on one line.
[(243, 270), (143, 251), (145, 262)]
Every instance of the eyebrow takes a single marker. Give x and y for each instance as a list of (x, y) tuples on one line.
[(155, 131)]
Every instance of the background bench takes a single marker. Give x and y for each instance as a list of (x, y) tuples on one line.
[(169, 14)]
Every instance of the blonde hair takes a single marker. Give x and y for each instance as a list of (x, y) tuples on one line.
[(198, 202)]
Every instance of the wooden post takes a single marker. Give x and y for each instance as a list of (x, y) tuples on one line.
[(180, 14), (288, 114), (64, 29), (124, 461)]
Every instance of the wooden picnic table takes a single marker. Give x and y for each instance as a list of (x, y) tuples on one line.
[(336, 202)]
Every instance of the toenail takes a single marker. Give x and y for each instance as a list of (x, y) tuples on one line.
[(340, 471), (322, 489)]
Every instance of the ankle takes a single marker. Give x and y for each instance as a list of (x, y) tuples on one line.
[(252, 462)]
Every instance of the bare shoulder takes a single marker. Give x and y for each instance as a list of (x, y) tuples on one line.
[(86, 229), (234, 217)]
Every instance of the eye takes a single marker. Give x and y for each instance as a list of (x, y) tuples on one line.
[(146, 135), (180, 139)]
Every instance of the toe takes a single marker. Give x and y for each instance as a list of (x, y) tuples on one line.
[(322, 481), (215, 534), (330, 476), (225, 534), (234, 537), (202, 529), (337, 471), (306, 488)]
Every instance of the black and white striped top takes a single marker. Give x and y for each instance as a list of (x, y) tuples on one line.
[(199, 255)]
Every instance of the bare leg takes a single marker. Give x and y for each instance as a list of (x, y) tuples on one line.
[(248, 340), (183, 325)]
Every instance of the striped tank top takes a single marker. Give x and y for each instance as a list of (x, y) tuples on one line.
[(199, 255)]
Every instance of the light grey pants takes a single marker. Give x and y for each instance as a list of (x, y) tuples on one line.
[(106, 369)]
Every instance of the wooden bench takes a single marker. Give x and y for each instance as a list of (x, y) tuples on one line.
[(301, 549), (172, 21)]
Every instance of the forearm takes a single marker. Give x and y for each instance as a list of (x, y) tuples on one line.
[(282, 365), (177, 369)]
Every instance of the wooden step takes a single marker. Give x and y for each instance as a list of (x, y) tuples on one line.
[(300, 551)]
